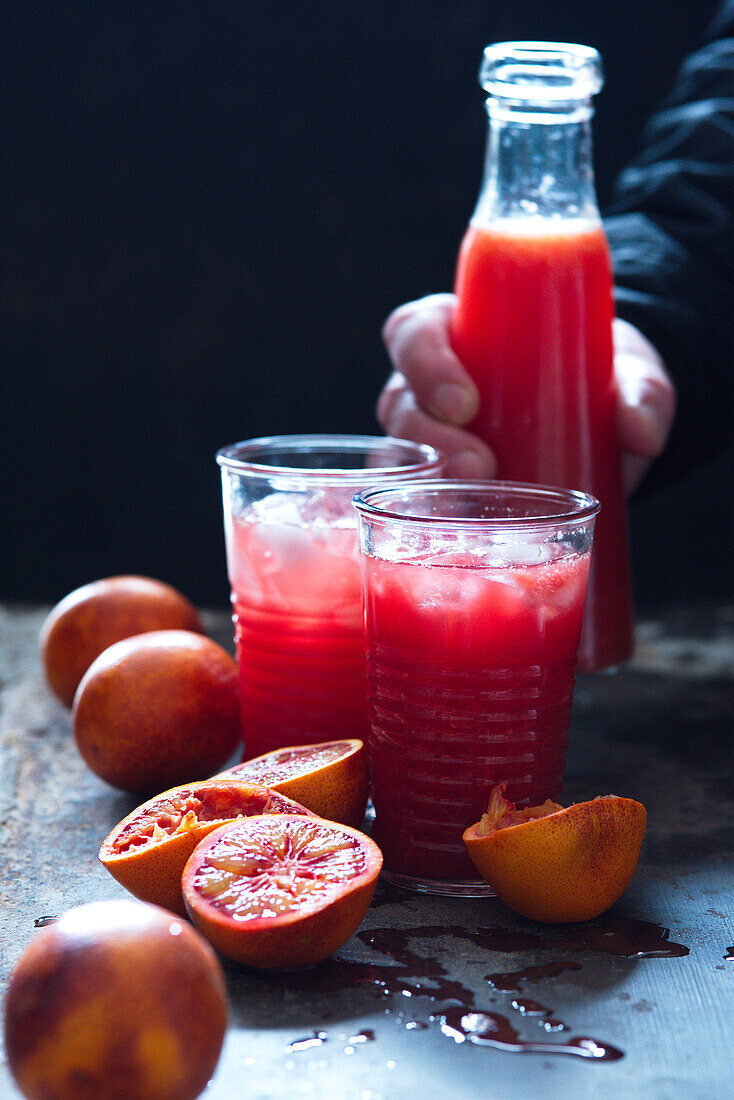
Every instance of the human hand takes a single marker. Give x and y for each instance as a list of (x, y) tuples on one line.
[(430, 398)]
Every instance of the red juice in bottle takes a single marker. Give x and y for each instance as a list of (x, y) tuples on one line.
[(533, 323)]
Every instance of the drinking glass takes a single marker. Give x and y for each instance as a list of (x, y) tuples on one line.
[(293, 564), (474, 598)]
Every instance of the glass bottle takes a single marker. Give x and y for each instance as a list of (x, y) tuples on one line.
[(533, 323)]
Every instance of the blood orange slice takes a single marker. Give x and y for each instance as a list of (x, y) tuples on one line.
[(558, 865), (330, 778), (280, 891), (147, 851)]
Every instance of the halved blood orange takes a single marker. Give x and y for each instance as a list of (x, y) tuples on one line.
[(331, 777), (147, 851), (280, 891), (558, 865)]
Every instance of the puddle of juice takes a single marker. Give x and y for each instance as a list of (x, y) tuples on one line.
[(489, 1029), (510, 982), (410, 975), (623, 936), (315, 1039), (318, 1038), (526, 1007)]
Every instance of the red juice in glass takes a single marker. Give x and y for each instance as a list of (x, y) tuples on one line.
[(293, 564), (474, 601), (298, 628), (533, 321)]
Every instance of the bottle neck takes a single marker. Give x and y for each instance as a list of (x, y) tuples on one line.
[(538, 165)]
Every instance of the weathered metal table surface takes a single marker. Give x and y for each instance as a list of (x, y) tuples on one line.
[(653, 979)]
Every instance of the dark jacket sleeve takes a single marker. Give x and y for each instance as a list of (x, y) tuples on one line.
[(671, 233)]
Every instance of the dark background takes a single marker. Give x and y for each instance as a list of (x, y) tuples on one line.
[(208, 211)]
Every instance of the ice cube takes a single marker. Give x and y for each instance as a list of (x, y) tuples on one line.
[(277, 508), (329, 507), (289, 566)]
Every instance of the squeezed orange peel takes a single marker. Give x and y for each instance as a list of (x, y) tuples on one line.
[(556, 864)]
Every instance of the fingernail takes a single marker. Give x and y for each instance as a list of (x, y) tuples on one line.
[(453, 403), (466, 464)]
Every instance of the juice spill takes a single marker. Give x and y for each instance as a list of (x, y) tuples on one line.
[(622, 936), (316, 1039), (409, 978), (510, 982), (492, 1030)]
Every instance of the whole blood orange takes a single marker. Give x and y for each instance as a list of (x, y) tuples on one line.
[(280, 891), (148, 850), (330, 778), (93, 617), (558, 865), (157, 710), (116, 999)]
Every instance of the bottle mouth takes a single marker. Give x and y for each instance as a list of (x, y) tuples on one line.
[(554, 73)]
